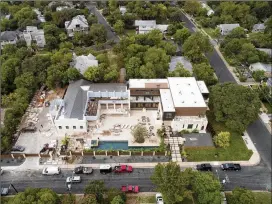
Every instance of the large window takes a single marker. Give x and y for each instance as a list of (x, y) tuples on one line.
[(190, 126), (168, 115), (74, 127), (67, 127), (60, 127)]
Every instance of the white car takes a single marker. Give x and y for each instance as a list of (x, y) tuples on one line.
[(159, 199), (73, 179)]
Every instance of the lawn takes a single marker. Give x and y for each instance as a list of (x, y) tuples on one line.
[(141, 198), (268, 107), (261, 197), (237, 151)]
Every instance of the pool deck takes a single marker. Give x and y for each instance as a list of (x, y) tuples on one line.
[(125, 134)]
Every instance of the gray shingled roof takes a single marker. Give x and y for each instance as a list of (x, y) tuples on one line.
[(198, 140), (75, 97), (8, 35)]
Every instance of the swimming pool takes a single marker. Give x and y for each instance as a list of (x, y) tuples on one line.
[(116, 145)]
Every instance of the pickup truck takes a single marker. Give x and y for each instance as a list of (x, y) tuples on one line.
[(204, 167), (83, 170), (130, 189), (122, 169), (73, 179), (230, 167)]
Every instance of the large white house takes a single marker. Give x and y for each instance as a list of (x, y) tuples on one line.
[(176, 101), (83, 62), (145, 26), (225, 29), (32, 33), (77, 24)]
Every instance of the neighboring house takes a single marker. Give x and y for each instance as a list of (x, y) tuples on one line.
[(60, 8), (267, 68), (77, 24), (8, 37), (266, 50), (32, 33), (225, 29), (39, 15), (258, 28), (180, 59), (123, 9), (83, 62), (145, 26), (209, 10), (176, 101)]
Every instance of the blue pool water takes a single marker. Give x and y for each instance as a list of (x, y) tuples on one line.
[(114, 145)]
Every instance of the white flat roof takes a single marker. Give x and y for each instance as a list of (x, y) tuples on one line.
[(202, 87), (166, 100), (185, 92), (140, 83)]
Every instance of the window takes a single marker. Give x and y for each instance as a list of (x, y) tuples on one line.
[(67, 127), (77, 26), (81, 127), (183, 126), (190, 126), (202, 128), (196, 126), (168, 115), (74, 127), (60, 127)]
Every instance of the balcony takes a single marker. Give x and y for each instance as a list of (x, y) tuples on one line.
[(145, 99)]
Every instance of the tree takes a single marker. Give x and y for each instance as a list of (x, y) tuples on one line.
[(238, 32), (222, 139), (99, 33), (51, 29), (258, 75), (132, 67), (51, 42), (97, 188), (171, 182), (73, 74), (175, 14), (68, 199), (63, 37), (92, 74), (112, 5), (139, 133), (204, 72), (117, 200), (195, 46), (112, 193), (119, 26), (32, 195), (216, 34), (248, 54), (26, 80), (181, 35), (242, 196), (88, 199), (91, 19), (180, 71), (235, 105), (192, 7), (206, 188)]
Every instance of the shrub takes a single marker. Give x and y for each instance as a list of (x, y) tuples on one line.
[(242, 78), (222, 139), (139, 133), (185, 131)]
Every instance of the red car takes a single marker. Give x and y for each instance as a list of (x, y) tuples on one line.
[(123, 169), (130, 189)]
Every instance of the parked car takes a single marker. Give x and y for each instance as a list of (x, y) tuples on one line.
[(73, 179), (52, 170), (130, 189), (123, 169), (204, 167), (159, 199), (231, 167), (18, 148), (83, 170), (105, 168)]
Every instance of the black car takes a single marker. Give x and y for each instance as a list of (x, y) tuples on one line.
[(17, 148), (204, 167), (231, 167), (83, 170)]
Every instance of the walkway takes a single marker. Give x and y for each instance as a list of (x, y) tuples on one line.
[(175, 143)]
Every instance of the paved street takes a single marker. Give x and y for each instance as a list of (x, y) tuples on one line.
[(255, 178), (257, 130)]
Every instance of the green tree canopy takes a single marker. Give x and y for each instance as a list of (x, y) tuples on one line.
[(181, 35), (222, 139), (92, 74), (180, 71), (204, 72), (98, 33), (139, 133), (242, 196), (235, 105), (97, 188), (119, 26), (258, 75), (117, 200)]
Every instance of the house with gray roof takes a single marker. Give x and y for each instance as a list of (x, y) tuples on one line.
[(32, 33), (225, 29), (260, 27), (77, 24), (183, 61), (83, 62), (8, 37), (267, 68), (145, 26)]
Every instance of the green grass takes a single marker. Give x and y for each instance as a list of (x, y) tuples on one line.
[(237, 151), (268, 107), (146, 199), (260, 197)]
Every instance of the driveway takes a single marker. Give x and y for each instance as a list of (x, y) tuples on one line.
[(101, 20)]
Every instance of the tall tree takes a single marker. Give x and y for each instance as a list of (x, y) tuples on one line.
[(242, 196), (99, 33), (235, 105), (119, 26), (181, 35), (192, 7), (204, 72), (96, 188)]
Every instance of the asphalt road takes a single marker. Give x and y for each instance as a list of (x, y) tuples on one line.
[(255, 178), (256, 131)]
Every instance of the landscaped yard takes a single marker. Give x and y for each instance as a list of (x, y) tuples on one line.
[(261, 197), (237, 151)]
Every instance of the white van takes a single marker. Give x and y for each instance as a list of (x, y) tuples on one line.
[(73, 179), (105, 168), (52, 170)]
